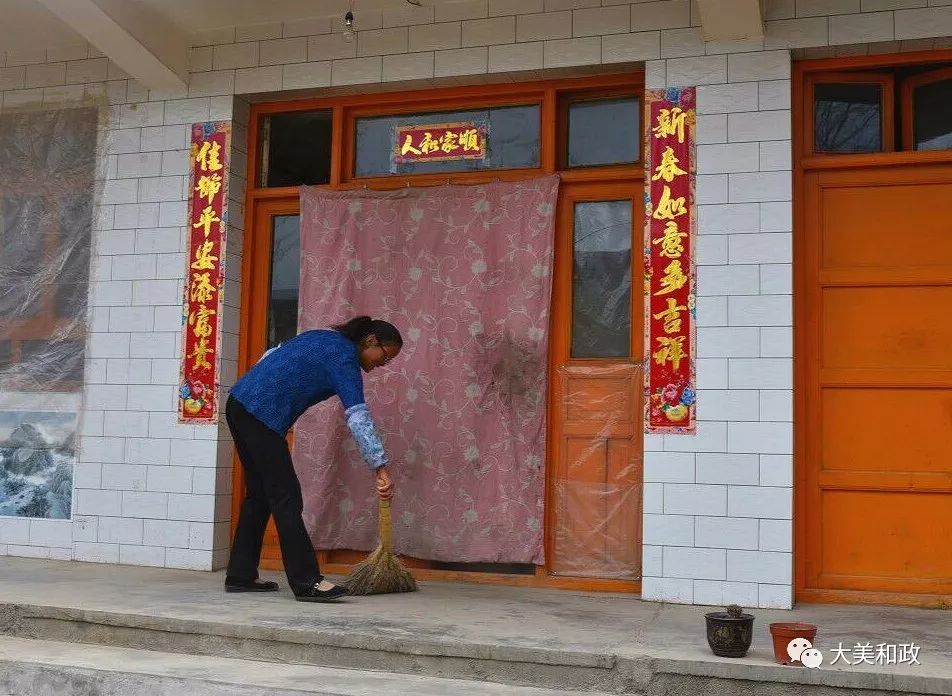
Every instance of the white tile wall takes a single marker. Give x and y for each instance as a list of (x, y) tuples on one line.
[(150, 491)]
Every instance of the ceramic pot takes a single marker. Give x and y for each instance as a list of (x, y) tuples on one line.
[(783, 633), (730, 632)]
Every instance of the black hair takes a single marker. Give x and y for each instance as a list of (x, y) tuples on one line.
[(358, 328)]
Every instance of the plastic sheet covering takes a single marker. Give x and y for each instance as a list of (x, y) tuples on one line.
[(597, 472), (47, 186)]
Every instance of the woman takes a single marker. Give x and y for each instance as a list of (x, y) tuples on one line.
[(262, 407)]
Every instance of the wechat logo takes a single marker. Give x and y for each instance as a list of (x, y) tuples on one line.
[(801, 650)]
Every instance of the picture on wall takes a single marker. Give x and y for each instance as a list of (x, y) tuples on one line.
[(37, 453)]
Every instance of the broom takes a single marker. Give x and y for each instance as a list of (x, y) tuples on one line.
[(381, 572)]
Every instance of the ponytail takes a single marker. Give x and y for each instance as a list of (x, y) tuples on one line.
[(358, 328)]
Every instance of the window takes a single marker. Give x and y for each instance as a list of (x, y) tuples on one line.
[(47, 177), (47, 170), (927, 111), (285, 279), (601, 280), (899, 108), (848, 117), (604, 131), (296, 148), (512, 141)]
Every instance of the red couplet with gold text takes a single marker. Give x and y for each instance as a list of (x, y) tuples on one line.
[(205, 272), (670, 219)]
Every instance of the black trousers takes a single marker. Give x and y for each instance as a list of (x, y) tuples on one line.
[(272, 488)]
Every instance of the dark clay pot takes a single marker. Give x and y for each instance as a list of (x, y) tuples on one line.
[(729, 635)]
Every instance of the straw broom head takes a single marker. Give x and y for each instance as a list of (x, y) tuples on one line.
[(381, 572)]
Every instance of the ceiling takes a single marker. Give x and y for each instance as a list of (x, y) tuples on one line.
[(28, 25)]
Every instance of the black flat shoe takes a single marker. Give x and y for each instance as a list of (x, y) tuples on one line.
[(235, 585), (316, 595)]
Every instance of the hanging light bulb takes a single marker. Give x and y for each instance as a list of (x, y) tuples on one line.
[(349, 30)]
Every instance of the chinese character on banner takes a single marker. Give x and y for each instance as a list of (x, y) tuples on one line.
[(205, 273), (670, 227), (438, 143)]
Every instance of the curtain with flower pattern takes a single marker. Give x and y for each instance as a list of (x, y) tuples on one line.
[(465, 273)]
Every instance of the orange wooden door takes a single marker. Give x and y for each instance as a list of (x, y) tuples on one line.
[(874, 352), (595, 466), (269, 275)]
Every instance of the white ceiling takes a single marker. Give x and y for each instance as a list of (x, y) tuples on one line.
[(27, 25)]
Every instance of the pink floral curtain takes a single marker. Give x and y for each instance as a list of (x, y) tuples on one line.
[(465, 273)]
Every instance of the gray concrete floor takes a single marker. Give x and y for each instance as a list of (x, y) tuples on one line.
[(588, 627)]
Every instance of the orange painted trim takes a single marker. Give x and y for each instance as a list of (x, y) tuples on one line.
[(903, 599), (886, 60), (907, 99), (425, 99), (876, 159)]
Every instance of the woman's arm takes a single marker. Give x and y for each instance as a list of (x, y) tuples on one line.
[(361, 425)]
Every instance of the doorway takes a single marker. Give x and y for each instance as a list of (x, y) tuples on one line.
[(589, 133)]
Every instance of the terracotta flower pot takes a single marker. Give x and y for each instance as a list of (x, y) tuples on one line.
[(783, 633), (730, 632)]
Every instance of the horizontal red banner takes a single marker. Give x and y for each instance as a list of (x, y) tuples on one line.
[(440, 142)]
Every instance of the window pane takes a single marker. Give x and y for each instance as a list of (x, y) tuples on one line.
[(604, 132), (848, 118), (601, 281), (933, 116), (512, 141), (296, 149), (285, 279)]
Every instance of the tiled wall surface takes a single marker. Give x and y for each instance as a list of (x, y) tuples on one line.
[(718, 506)]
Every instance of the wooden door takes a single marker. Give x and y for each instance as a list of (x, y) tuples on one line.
[(874, 351), (271, 315), (596, 389)]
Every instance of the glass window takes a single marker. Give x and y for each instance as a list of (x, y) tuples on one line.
[(296, 149), (932, 106), (847, 117), (601, 280), (512, 141), (285, 278), (606, 131)]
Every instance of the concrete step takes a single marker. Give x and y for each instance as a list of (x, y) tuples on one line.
[(332, 644), (490, 634), (183, 647), (47, 668)]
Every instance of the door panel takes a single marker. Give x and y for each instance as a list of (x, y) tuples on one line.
[(876, 374), (272, 278), (596, 464)]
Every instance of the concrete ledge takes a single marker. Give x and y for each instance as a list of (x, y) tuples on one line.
[(551, 669), (503, 635), (42, 667), (486, 663)]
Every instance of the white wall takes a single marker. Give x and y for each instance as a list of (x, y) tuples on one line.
[(717, 523)]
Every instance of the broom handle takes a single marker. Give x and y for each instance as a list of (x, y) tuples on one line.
[(386, 526)]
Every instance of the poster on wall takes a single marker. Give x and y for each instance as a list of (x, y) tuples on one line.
[(37, 452), (205, 272), (670, 221)]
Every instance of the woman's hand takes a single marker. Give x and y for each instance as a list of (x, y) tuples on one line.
[(384, 483)]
